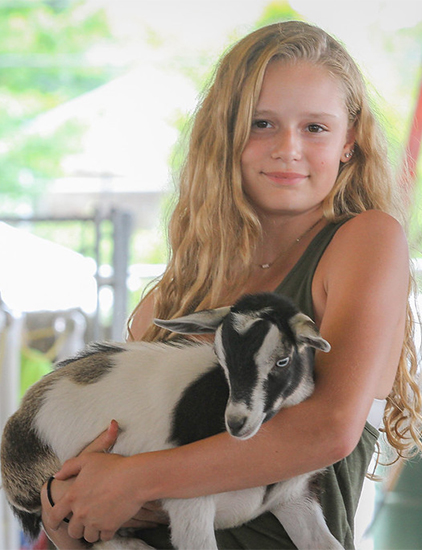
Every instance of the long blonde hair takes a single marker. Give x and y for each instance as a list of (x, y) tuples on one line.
[(214, 230)]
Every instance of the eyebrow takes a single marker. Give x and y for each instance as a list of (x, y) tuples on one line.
[(322, 114)]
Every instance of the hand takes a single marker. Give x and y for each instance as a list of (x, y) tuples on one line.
[(102, 495), (101, 498), (103, 443), (149, 516), (59, 488)]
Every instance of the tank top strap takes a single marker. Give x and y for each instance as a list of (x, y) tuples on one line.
[(297, 284)]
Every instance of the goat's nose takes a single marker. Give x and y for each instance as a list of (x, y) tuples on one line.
[(235, 424)]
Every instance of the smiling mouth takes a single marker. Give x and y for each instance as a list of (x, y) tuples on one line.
[(285, 178)]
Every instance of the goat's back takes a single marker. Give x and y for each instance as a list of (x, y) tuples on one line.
[(139, 386)]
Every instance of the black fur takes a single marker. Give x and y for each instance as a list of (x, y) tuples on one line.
[(200, 410), (25, 447), (92, 349)]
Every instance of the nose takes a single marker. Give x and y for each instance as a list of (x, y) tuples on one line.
[(286, 145), (235, 424)]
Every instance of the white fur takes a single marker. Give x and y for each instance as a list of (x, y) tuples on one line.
[(268, 352), (140, 389), (242, 322), (146, 384)]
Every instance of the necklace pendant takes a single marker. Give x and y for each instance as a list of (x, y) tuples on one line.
[(265, 266)]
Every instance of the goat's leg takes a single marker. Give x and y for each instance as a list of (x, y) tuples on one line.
[(304, 522), (192, 523)]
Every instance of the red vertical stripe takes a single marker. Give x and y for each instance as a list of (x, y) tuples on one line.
[(414, 142)]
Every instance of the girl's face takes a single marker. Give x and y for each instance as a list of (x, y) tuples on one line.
[(298, 137)]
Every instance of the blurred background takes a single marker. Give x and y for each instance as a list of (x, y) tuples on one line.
[(94, 98)]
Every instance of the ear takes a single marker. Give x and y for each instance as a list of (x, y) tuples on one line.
[(200, 322), (348, 148), (307, 332)]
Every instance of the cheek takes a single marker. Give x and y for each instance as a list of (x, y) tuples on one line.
[(327, 161), (326, 169), (247, 157), (253, 151)]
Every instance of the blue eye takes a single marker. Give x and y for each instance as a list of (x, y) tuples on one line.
[(283, 362)]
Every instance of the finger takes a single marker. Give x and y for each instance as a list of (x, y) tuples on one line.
[(105, 440), (70, 468), (76, 530), (156, 507), (91, 534), (58, 513), (146, 515), (157, 516), (53, 515), (50, 495), (140, 524), (107, 535), (153, 505)]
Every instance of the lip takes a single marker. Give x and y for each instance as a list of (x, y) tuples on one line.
[(285, 178)]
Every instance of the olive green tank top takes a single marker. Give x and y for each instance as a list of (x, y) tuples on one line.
[(298, 282), (341, 483)]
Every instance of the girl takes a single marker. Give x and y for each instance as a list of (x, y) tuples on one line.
[(286, 188)]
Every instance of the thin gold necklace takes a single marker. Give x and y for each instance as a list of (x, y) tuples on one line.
[(269, 264)]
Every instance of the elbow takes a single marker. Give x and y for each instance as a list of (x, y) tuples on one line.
[(342, 447), (344, 435)]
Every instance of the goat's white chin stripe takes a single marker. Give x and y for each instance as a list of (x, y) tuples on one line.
[(376, 413)]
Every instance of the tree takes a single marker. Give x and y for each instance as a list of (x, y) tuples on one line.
[(276, 11), (44, 62)]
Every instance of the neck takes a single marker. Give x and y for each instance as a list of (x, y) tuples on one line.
[(284, 235)]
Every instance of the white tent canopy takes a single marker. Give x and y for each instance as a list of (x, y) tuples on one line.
[(129, 130), (36, 274)]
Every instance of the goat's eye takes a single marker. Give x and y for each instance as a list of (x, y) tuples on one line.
[(283, 362)]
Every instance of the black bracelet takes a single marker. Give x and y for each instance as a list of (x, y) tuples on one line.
[(50, 498)]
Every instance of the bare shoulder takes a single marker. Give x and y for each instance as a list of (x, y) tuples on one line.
[(142, 318), (368, 255), (372, 232), (374, 221)]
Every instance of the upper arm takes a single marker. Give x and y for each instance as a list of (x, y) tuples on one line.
[(361, 295), (142, 318)]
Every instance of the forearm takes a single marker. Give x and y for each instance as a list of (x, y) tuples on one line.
[(109, 489), (297, 440)]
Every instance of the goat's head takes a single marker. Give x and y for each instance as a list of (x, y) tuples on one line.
[(264, 344)]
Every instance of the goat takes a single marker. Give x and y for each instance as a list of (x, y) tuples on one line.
[(169, 394)]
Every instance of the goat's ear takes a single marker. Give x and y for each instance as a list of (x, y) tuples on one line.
[(200, 322), (307, 332)]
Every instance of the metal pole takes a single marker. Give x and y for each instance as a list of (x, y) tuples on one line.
[(122, 228)]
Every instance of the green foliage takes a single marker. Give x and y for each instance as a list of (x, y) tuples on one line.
[(278, 10), (43, 63), (405, 48), (31, 160)]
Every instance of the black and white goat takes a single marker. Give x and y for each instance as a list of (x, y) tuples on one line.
[(169, 394)]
